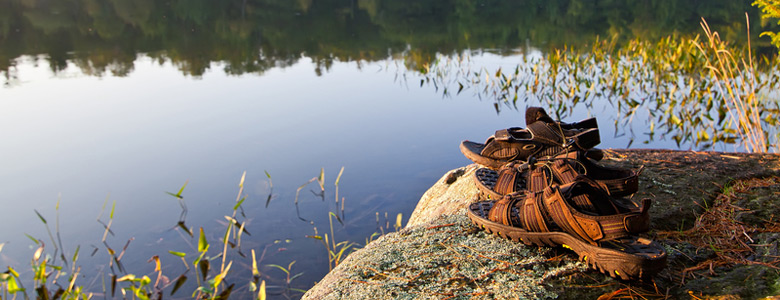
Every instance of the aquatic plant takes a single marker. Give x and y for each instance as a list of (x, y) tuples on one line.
[(684, 85), (770, 9)]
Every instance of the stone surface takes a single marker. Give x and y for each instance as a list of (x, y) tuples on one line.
[(439, 255), (450, 195), (446, 258)]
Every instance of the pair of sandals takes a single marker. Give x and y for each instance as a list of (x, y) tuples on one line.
[(544, 188)]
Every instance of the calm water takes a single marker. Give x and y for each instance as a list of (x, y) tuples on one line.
[(121, 102)]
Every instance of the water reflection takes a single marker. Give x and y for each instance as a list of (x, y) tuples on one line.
[(339, 89), (253, 36)]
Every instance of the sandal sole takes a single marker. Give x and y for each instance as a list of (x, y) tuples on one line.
[(616, 264)]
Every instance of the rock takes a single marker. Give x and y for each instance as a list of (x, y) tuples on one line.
[(447, 257), (450, 195), (441, 255)]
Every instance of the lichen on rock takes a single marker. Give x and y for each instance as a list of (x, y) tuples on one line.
[(441, 255), (448, 258)]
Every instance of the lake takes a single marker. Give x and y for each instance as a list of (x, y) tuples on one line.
[(108, 105)]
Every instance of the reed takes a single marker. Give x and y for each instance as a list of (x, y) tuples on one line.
[(736, 81), (698, 92)]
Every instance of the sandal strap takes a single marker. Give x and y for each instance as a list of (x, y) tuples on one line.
[(562, 215), (544, 133), (537, 180), (502, 211), (565, 173), (533, 213), (592, 228), (506, 182)]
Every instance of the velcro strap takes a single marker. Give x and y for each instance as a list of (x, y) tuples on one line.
[(587, 139), (544, 133), (502, 135), (640, 222), (561, 213)]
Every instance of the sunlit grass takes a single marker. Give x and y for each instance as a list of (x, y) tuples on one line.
[(736, 81), (678, 82)]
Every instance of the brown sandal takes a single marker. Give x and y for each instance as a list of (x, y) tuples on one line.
[(548, 217), (565, 168), (542, 137)]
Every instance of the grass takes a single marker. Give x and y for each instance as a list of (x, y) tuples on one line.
[(216, 267), (736, 81), (723, 231), (698, 91)]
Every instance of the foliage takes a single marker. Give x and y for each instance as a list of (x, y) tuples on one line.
[(217, 270), (105, 37), (674, 80), (770, 9)]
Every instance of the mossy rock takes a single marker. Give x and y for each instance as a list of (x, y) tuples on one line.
[(441, 255)]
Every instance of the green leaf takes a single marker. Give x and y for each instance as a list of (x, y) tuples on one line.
[(113, 207), (218, 279), (13, 272), (181, 190), (203, 245), (179, 254), (76, 254), (13, 287), (39, 216), (280, 268), (239, 203), (145, 280), (31, 238)]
